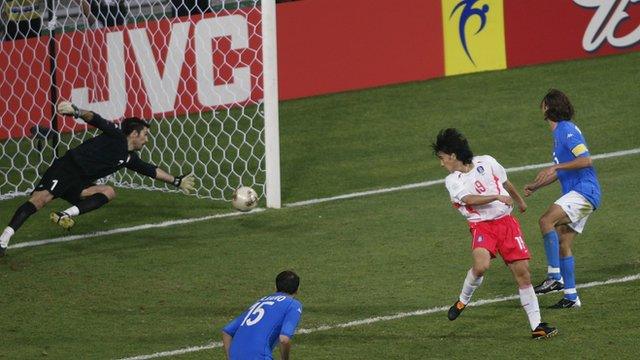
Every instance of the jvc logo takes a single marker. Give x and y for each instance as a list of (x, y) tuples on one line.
[(162, 88), (603, 25)]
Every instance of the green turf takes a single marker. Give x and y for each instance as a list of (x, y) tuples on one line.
[(164, 289)]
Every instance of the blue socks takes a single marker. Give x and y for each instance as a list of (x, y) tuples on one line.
[(560, 269), (567, 267), (552, 250)]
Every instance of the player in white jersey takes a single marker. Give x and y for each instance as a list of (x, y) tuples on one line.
[(486, 180), (479, 189)]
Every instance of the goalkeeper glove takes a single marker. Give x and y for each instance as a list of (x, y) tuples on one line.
[(67, 108), (185, 183)]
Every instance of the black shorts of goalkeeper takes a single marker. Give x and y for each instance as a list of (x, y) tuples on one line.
[(65, 180)]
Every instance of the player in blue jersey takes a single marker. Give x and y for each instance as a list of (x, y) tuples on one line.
[(581, 196), (254, 334)]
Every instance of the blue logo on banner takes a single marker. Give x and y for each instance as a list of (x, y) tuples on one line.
[(467, 13)]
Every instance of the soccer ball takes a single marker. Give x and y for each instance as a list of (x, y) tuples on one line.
[(244, 198)]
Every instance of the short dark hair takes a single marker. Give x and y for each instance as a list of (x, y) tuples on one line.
[(132, 124), (559, 107), (451, 141), (287, 282)]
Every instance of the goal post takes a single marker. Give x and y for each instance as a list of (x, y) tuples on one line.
[(271, 115), (205, 78)]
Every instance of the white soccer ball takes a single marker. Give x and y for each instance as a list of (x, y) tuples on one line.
[(244, 198)]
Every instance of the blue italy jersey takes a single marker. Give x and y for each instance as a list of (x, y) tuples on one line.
[(257, 330), (568, 144)]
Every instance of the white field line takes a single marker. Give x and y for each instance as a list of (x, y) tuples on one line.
[(295, 204), (130, 229), (441, 181), (376, 319)]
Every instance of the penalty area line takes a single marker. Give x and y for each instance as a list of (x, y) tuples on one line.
[(376, 319), (295, 204)]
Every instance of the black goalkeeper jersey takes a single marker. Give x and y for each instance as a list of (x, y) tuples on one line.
[(107, 153)]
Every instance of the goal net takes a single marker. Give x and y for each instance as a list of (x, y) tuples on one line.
[(194, 68)]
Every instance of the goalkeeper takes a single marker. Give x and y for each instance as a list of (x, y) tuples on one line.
[(72, 177)]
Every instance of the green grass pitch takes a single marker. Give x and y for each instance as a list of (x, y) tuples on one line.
[(165, 289)]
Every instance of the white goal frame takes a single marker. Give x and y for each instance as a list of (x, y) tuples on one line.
[(271, 114)]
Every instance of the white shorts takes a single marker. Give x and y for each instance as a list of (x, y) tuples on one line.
[(577, 208)]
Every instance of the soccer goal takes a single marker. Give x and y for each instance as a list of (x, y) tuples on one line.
[(203, 72)]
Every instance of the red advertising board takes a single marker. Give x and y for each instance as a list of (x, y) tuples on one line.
[(550, 30), (327, 46), (149, 69), (158, 68), (24, 85)]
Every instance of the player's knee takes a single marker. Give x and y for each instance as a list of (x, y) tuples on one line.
[(479, 268), (521, 272), (37, 202), (545, 224), (523, 279), (109, 192), (40, 199)]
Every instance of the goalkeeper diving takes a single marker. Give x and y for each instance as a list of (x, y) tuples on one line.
[(72, 177)]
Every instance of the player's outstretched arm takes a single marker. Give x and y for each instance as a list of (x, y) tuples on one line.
[(545, 177), (549, 175), (107, 127), (515, 196), (285, 347), (69, 109), (186, 183)]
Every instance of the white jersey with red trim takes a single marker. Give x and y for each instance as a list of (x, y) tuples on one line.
[(486, 178)]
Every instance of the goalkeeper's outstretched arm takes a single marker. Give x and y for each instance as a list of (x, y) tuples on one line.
[(69, 109), (186, 183)]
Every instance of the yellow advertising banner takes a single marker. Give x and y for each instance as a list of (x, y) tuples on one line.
[(473, 36)]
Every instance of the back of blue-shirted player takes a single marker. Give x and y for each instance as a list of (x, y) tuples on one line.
[(270, 320)]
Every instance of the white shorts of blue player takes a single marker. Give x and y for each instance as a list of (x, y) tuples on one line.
[(577, 208)]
